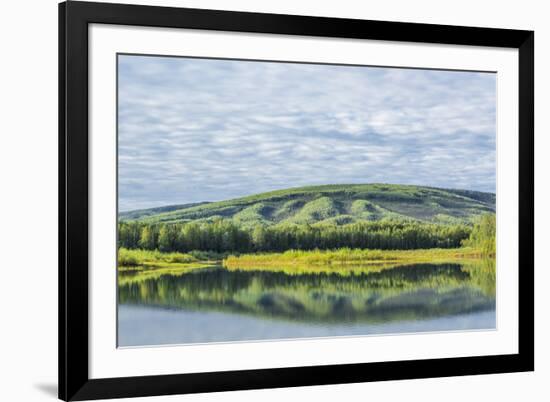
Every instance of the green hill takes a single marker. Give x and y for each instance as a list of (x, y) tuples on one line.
[(141, 213), (337, 204)]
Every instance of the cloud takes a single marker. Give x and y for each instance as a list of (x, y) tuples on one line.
[(195, 129)]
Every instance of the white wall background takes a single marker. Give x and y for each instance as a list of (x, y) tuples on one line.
[(28, 201)]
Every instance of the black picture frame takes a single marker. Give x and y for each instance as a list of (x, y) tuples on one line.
[(74, 18)]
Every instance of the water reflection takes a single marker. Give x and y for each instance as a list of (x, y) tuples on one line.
[(403, 293)]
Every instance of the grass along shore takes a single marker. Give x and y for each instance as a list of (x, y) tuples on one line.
[(325, 260), (346, 256), (132, 260)]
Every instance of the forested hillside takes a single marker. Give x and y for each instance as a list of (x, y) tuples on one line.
[(334, 204)]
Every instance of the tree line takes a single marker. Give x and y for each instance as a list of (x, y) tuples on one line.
[(483, 235), (224, 235)]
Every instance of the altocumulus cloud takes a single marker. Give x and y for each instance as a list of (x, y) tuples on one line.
[(205, 130)]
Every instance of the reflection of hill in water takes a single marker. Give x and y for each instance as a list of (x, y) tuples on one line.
[(402, 293)]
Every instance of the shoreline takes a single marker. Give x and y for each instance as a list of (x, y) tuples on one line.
[(350, 257), (302, 261)]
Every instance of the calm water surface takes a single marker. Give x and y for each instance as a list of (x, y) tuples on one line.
[(220, 305)]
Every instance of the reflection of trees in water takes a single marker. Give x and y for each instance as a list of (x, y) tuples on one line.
[(405, 292)]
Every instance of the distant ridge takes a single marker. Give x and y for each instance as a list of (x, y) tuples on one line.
[(336, 204), (141, 213)]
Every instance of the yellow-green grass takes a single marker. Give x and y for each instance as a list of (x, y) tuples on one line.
[(346, 257), (343, 261), (132, 260)]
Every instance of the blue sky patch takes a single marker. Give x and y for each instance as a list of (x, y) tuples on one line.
[(207, 130)]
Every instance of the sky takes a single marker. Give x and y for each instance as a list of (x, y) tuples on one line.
[(193, 130)]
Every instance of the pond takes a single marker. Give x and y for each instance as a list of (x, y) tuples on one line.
[(221, 305)]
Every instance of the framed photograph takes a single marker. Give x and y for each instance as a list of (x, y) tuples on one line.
[(257, 200)]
